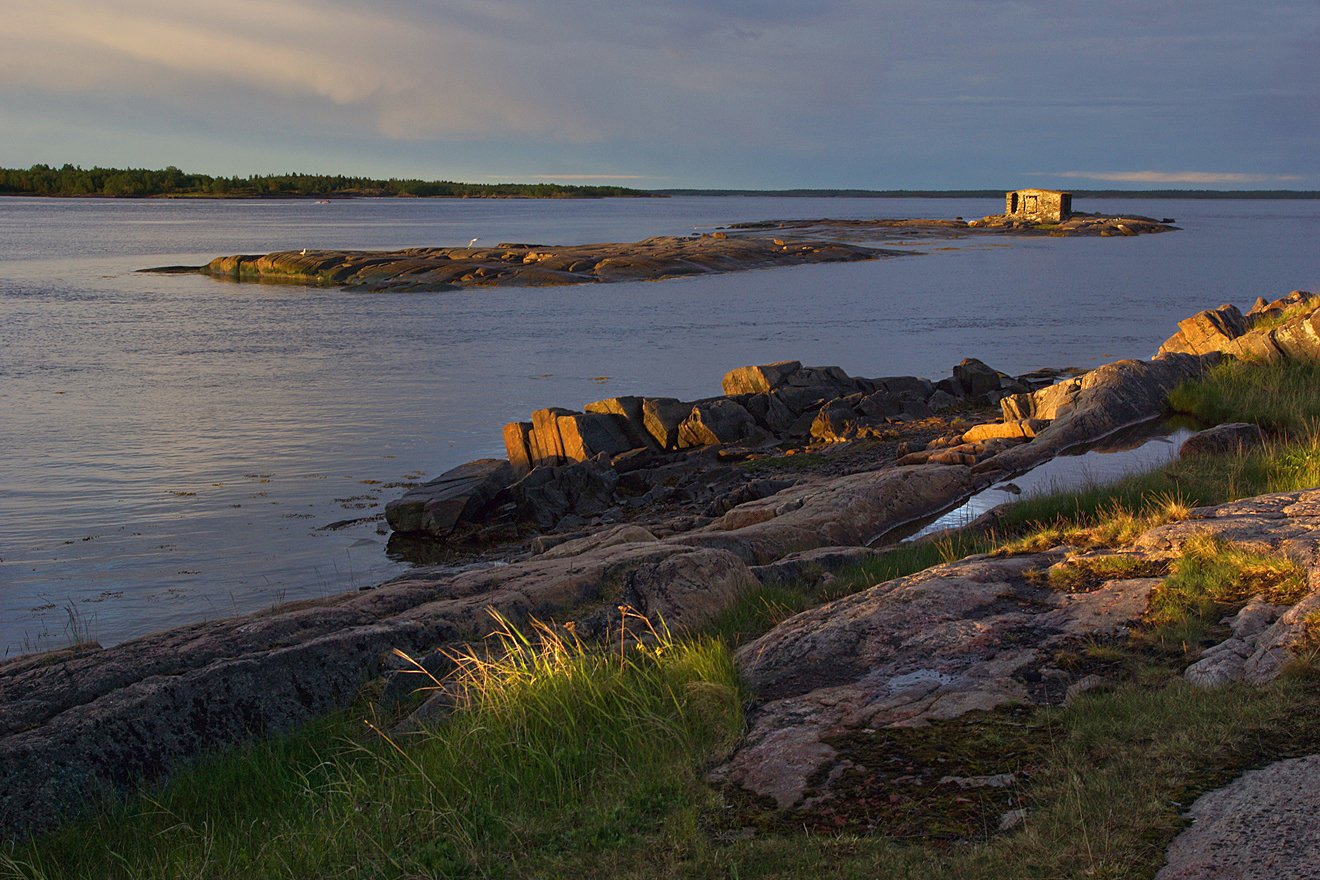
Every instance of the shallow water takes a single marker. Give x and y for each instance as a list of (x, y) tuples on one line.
[(171, 445), (1075, 470)]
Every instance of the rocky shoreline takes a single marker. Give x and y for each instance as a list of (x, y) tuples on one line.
[(88, 721), (737, 248)]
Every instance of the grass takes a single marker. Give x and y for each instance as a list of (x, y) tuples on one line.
[(558, 754), (564, 759), (1280, 396)]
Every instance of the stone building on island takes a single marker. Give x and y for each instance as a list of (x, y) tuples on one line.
[(1040, 205)]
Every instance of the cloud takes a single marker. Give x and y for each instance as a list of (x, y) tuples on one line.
[(1174, 176)]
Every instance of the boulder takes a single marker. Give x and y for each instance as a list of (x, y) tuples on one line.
[(662, 417), (518, 446), (881, 405), (759, 379), (804, 399), (941, 400), (549, 493), (1206, 331), (769, 411), (1010, 429), (546, 445), (1228, 438), (629, 409), (587, 435), (910, 385), (716, 422), (457, 496), (975, 377), (829, 377)]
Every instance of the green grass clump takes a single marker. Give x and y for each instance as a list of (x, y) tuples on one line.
[(558, 755), (1280, 396), (1211, 576)]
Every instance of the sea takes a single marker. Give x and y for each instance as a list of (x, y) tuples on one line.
[(173, 447)]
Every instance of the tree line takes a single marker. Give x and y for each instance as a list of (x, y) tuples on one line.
[(71, 180)]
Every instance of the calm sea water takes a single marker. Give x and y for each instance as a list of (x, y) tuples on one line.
[(171, 445)]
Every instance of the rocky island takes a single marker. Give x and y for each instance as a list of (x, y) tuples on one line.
[(679, 512), (736, 248)]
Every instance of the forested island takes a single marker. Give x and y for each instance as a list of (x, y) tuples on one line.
[(170, 182), (72, 180)]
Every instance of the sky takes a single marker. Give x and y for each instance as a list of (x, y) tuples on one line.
[(758, 94)]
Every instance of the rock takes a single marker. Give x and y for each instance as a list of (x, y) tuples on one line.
[(759, 379), (548, 494), (1226, 662), (686, 593), (1206, 331), (809, 565), (547, 447), (587, 435), (1010, 429), (1093, 406), (837, 422), (630, 410), (909, 385), (1263, 310), (1228, 438), (852, 510), (457, 496), (880, 405), (960, 637), (941, 400), (518, 446), (718, 421), (770, 412), (975, 377), (806, 399), (625, 534), (1259, 827), (82, 727), (1012, 819), (662, 417), (753, 490)]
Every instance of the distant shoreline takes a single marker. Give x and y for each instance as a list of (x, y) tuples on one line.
[(1230, 195), (997, 193)]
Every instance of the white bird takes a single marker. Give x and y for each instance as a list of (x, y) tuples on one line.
[(303, 252), (472, 242)]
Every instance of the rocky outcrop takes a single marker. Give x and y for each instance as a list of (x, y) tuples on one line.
[(1094, 405), (527, 265), (967, 636), (456, 496), (1078, 224), (80, 726), (852, 510), (1262, 826), (1286, 329), (984, 632)]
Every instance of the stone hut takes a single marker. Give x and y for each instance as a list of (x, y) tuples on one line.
[(1041, 205)]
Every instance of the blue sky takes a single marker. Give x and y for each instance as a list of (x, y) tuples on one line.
[(676, 93)]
